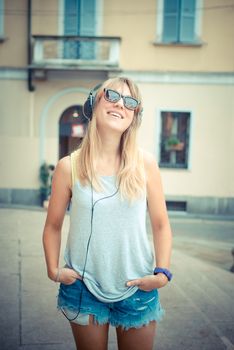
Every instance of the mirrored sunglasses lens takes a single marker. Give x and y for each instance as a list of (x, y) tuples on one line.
[(131, 103), (112, 96)]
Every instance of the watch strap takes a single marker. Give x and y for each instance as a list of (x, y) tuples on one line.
[(166, 272)]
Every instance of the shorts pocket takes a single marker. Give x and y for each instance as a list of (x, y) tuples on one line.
[(146, 299)]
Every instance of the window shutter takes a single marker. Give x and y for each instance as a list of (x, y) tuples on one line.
[(171, 21), (88, 27), (187, 25), (71, 27)]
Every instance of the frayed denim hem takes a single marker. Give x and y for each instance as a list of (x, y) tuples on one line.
[(126, 324), (133, 322), (134, 312)]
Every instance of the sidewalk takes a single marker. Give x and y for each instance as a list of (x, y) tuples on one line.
[(199, 302)]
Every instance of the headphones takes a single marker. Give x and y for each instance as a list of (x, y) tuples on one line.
[(89, 105)]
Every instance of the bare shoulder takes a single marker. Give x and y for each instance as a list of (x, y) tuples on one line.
[(63, 170), (64, 165), (150, 162)]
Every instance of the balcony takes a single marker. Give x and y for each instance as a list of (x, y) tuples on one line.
[(74, 52)]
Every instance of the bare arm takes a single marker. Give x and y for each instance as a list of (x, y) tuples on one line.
[(158, 214), (59, 200), (162, 235)]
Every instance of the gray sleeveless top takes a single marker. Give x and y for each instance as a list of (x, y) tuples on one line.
[(119, 248)]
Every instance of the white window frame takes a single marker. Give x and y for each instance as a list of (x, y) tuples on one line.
[(159, 23)]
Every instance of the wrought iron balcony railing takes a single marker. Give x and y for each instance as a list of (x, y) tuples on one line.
[(49, 51)]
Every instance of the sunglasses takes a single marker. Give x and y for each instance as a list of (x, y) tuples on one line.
[(114, 96)]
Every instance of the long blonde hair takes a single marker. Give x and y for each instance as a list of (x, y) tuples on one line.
[(131, 175)]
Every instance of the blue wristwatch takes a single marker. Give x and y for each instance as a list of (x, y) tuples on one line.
[(166, 272)]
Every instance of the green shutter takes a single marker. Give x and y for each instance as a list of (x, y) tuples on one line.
[(170, 21), (187, 23), (80, 20)]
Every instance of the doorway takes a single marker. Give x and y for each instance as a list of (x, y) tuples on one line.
[(71, 130)]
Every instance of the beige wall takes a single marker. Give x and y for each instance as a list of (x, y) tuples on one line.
[(19, 162), (211, 164), (138, 31), (14, 108), (208, 97), (45, 17), (13, 51), (136, 25)]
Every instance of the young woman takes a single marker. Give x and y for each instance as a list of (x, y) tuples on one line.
[(110, 275)]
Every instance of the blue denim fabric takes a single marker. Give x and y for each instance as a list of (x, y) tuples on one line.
[(142, 307)]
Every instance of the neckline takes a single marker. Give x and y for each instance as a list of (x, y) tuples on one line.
[(107, 176)]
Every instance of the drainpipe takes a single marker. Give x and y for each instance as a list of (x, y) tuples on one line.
[(30, 71)]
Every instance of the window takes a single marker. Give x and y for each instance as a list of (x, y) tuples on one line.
[(80, 19), (1, 19), (174, 139), (179, 21)]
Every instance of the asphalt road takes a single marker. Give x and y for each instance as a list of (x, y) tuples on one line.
[(208, 239)]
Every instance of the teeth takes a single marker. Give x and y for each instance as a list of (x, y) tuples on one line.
[(116, 115)]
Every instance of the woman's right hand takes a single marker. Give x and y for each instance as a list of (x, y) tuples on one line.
[(66, 275)]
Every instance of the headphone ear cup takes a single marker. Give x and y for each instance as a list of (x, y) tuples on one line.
[(139, 116), (89, 104), (88, 107)]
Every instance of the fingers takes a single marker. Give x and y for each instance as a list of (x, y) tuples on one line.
[(137, 282), (78, 277), (147, 283), (75, 275), (68, 275)]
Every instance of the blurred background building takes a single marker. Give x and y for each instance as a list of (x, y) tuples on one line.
[(181, 54)]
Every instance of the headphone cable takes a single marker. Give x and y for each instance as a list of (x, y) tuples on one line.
[(87, 249)]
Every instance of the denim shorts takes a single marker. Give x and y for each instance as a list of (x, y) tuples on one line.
[(77, 303)]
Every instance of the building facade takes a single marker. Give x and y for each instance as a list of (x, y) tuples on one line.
[(180, 53)]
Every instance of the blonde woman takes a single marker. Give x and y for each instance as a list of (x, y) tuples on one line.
[(110, 277)]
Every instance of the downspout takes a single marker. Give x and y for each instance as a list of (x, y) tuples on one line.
[(30, 71)]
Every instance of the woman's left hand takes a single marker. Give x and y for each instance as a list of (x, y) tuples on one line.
[(149, 282)]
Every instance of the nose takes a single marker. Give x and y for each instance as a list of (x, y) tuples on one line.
[(120, 103)]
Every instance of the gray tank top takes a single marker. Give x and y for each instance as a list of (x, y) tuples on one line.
[(119, 248)]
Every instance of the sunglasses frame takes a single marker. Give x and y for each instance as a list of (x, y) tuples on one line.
[(123, 97)]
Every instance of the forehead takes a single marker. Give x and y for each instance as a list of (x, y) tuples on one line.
[(121, 87)]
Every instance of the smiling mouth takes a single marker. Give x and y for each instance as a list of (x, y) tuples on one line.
[(116, 115)]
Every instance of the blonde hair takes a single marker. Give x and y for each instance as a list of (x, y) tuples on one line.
[(131, 175)]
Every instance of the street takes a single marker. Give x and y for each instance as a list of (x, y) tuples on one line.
[(198, 302)]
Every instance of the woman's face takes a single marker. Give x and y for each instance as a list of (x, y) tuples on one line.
[(114, 115)]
